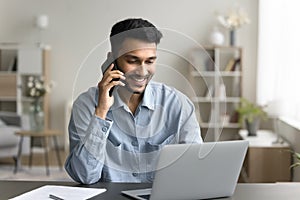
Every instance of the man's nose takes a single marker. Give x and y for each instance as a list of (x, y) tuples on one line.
[(142, 69)]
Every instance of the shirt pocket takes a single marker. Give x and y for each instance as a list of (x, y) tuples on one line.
[(114, 140), (152, 151), (156, 144), (114, 154)]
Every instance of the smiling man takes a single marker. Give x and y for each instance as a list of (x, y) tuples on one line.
[(117, 129)]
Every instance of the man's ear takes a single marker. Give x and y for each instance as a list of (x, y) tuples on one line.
[(107, 62), (109, 55)]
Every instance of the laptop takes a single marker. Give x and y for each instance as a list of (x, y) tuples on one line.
[(195, 171)]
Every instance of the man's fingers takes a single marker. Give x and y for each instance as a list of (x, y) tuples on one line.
[(115, 83)]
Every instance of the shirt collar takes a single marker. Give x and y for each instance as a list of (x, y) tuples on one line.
[(148, 100)]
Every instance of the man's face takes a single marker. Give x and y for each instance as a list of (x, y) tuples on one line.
[(137, 62)]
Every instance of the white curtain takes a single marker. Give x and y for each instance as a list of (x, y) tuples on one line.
[(278, 72)]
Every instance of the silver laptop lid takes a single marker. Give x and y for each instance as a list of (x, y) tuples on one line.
[(198, 171)]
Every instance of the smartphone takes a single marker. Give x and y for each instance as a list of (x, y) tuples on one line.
[(110, 60), (115, 79), (104, 67)]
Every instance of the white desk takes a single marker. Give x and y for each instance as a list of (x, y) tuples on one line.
[(264, 138), (266, 161)]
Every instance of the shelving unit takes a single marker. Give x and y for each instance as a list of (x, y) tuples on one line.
[(216, 76), (8, 79), (17, 63)]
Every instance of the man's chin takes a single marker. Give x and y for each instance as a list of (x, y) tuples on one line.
[(136, 90)]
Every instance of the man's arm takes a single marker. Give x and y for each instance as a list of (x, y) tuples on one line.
[(190, 131), (89, 129), (88, 135)]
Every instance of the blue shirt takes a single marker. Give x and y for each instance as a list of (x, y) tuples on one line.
[(125, 146)]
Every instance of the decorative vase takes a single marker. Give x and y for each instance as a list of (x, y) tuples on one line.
[(232, 37), (36, 116), (216, 37), (252, 127)]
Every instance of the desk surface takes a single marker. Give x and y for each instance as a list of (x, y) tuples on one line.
[(287, 191), (264, 138)]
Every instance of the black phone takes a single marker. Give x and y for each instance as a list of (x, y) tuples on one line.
[(115, 79), (106, 64)]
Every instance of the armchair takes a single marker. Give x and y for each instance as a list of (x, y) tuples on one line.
[(9, 124)]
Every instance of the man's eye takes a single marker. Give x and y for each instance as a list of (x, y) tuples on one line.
[(149, 62), (132, 61)]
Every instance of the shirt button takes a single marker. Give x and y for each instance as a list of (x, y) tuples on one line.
[(134, 143), (135, 174), (104, 129)]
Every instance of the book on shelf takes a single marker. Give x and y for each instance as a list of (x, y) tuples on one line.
[(229, 65), (234, 117), (236, 65), (12, 67), (233, 65)]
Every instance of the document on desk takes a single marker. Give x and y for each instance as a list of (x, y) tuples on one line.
[(60, 192)]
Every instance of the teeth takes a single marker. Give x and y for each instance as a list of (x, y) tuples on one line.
[(139, 80)]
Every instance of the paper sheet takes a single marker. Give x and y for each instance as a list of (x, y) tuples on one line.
[(64, 192)]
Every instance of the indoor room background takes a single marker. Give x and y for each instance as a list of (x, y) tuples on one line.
[(76, 27)]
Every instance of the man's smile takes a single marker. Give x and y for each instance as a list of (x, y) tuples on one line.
[(138, 80)]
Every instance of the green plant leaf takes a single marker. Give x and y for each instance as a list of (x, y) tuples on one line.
[(295, 165), (297, 155), (249, 111)]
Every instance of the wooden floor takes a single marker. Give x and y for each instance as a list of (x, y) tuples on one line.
[(38, 158)]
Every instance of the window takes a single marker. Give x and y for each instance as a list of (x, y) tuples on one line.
[(279, 56)]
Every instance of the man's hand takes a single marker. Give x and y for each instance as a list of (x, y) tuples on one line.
[(105, 85)]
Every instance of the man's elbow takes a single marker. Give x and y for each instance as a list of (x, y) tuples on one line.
[(82, 178)]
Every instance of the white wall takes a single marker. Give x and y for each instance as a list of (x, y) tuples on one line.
[(77, 26)]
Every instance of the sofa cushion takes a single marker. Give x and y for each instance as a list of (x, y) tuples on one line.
[(8, 137), (2, 123), (11, 118)]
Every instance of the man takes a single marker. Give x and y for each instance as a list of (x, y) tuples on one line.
[(117, 129)]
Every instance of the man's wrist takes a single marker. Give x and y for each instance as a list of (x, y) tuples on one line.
[(100, 113)]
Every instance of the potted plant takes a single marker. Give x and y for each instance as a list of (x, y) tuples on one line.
[(250, 114), (297, 157)]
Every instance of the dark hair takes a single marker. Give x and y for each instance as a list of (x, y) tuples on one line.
[(133, 28)]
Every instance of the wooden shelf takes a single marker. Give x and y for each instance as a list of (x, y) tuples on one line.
[(31, 61), (8, 98), (217, 83), (8, 85)]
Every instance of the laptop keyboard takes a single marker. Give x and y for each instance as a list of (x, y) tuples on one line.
[(147, 196)]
